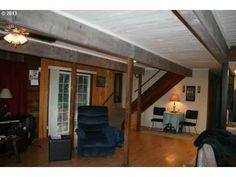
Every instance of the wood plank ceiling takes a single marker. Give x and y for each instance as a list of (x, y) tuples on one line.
[(160, 32), (68, 30), (226, 20)]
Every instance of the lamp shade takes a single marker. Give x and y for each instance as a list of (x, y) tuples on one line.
[(5, 93), (174, 97), (15, 38)]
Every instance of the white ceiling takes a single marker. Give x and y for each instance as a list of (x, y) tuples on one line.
[(226, 20), (160, 32)]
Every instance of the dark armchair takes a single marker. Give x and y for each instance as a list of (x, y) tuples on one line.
[(95, 137)]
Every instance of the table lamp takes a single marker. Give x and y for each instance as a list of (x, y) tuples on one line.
[(174, 98), (5, 94)]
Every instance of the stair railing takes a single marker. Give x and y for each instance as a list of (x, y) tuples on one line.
[(149, 79), (108, 98)]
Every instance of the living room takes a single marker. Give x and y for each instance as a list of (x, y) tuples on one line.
[(39, 94), (113, 70)]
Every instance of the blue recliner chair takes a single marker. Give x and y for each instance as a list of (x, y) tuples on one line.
[(95, 137)]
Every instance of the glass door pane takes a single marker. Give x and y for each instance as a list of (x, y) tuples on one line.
[(59, 102), (63, 114), (83, 92), (82, 97)]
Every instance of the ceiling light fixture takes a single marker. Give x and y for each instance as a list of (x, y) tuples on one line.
[(16, 36)]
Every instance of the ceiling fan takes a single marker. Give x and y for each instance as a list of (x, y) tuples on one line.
[(20, 30), (4, 27), (16, 36)]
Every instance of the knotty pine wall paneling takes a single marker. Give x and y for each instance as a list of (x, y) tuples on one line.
[(98, 94), (33, 63)]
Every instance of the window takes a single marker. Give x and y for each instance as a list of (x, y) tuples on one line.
[(63, 103), (83, 92)]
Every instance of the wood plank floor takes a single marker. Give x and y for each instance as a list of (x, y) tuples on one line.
[(146, 150)]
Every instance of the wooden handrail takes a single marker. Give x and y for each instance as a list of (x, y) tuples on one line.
[(149, 79), (157, 90), (108, 98)]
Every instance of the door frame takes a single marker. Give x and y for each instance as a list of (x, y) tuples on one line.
[(52, 101)]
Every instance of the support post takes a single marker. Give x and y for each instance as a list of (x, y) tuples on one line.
[(72, 102), (224, 94), (43, 99), (139, 102), (128, 111)]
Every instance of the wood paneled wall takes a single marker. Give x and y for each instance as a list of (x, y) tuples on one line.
[(98, 94), (33, 63)]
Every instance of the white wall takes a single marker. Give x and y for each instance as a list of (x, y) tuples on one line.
[(199, 78)]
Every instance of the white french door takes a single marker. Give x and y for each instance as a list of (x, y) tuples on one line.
[(59, 99), (59, 102), (82, 97), (82, 92)]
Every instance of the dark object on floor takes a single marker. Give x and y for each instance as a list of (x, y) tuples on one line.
[(158, 111), (223, 144), (59, 149), (9, 146), (190, 120), (95, 137), (169, 128)]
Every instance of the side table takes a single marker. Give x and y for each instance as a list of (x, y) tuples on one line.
[(59, 149), (173, 118)]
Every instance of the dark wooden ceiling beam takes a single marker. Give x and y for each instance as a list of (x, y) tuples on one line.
[(205, 28), (65, 29), (45, 50)]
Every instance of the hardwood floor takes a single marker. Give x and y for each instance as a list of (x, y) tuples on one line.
[(146, 150)]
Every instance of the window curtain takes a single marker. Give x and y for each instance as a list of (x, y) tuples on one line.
[(14, 76)]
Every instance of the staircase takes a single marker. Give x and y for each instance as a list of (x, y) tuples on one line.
[(157, 90)]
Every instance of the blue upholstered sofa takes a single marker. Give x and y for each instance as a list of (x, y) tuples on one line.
[(95, 137)]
